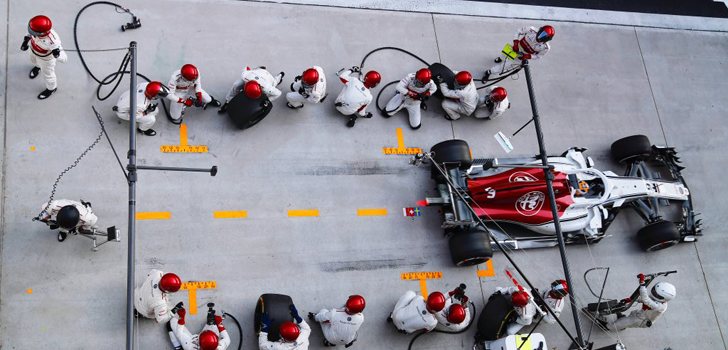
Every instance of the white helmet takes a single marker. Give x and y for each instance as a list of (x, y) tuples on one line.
[(664, 291)]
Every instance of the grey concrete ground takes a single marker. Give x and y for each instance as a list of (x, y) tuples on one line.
[(666, 84)]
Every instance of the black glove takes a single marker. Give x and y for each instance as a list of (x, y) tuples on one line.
[(24, 46), (369, 115), (297, 78), (56, 53), (152, 107), (265, 323), (86, 204), (198, 103), (303, 92), (338, 104), (294, 313), (53, 226), (356, 69)]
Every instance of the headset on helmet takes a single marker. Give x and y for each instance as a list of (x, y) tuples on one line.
[(498, 94), (559, 289), (520, 298), (463, 78), (310, 77), (153, 89), (435, 302), (372, 79), (456, 314), (423, 76), (189, 72), (355, 304), (208, 340), (170, 283), (664, 291), (252, 89), (289, 331), (39, 25), (68, 217), (545, 34)]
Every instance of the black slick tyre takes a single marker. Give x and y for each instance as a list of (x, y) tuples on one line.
[(470, 247), (631, 147), (277, 308), (658, 235)]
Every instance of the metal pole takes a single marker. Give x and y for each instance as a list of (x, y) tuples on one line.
[(131, 167), (552, 200)]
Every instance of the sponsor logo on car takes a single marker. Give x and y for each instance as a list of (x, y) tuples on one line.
[(530, 203), (520, 176)]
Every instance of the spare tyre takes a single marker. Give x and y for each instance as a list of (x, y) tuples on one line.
[(658, 235), (246, 112), (630, 147), (277, 306), (470, 246), (497, 313), (447, 75)]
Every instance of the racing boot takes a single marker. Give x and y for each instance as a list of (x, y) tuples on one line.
[(351, 122), (223, 109), (485, 76), (311, 316), (46, 93), (214, 103), (148, 132), (498, 59), (62, 236), (289, 105), (34, 72)]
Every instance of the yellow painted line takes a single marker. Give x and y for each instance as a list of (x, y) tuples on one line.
[(153, 215), (32, 148), (371, 212), (191, 287), (489, 272), (303, 212), (183, 134), (401, 151), (230, 214), (400, 139), (183, 149), (29, 291), (430, 275), (423, 288)]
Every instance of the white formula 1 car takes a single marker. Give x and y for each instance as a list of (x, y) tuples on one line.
[(510, 196)]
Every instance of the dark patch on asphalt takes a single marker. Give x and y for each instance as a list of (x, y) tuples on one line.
[(369, 265), (358, 168), (700, 8)]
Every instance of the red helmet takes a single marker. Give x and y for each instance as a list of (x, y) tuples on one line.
[(559, 289), (189, 72), (252, 89), (170, 283), (498, 94), (289, 331), (423, 76), (310, 77), (545, 34), (520, 298), (372, 79), (435, 302), (355, 304), (208, 340), (456, 315), (39, 25), (153, 89), (463, 78)]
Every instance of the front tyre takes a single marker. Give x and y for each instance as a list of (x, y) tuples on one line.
[(658, 235), (470, 246)]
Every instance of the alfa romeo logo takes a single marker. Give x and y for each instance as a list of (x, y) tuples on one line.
[(530, 203), (520, 176)]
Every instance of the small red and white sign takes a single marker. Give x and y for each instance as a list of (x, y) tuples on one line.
[(412, 211)]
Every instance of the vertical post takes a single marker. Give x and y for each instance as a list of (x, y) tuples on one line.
[(552, 201), (131, 167)]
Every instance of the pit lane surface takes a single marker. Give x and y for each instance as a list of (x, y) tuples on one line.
[(308, 159)]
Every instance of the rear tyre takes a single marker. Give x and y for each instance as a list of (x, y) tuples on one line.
[(277, 307), (658, 235), (452, 152), (630, 147), (470, 247)]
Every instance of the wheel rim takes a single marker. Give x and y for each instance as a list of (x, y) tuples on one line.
[(662, 245)]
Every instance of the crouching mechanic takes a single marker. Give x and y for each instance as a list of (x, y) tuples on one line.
[(455, 316), (146, 111), (554, 298), (411, 91), (186, 87), (45, 50), (340, 325), (355, 96), (68, 216), (493, 103), (213, 336), (654, 304), (524, 306), (412, 313), (308, 87), (294, 336), (265, 82), (461, 100), (529, 44), (150, 299)]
